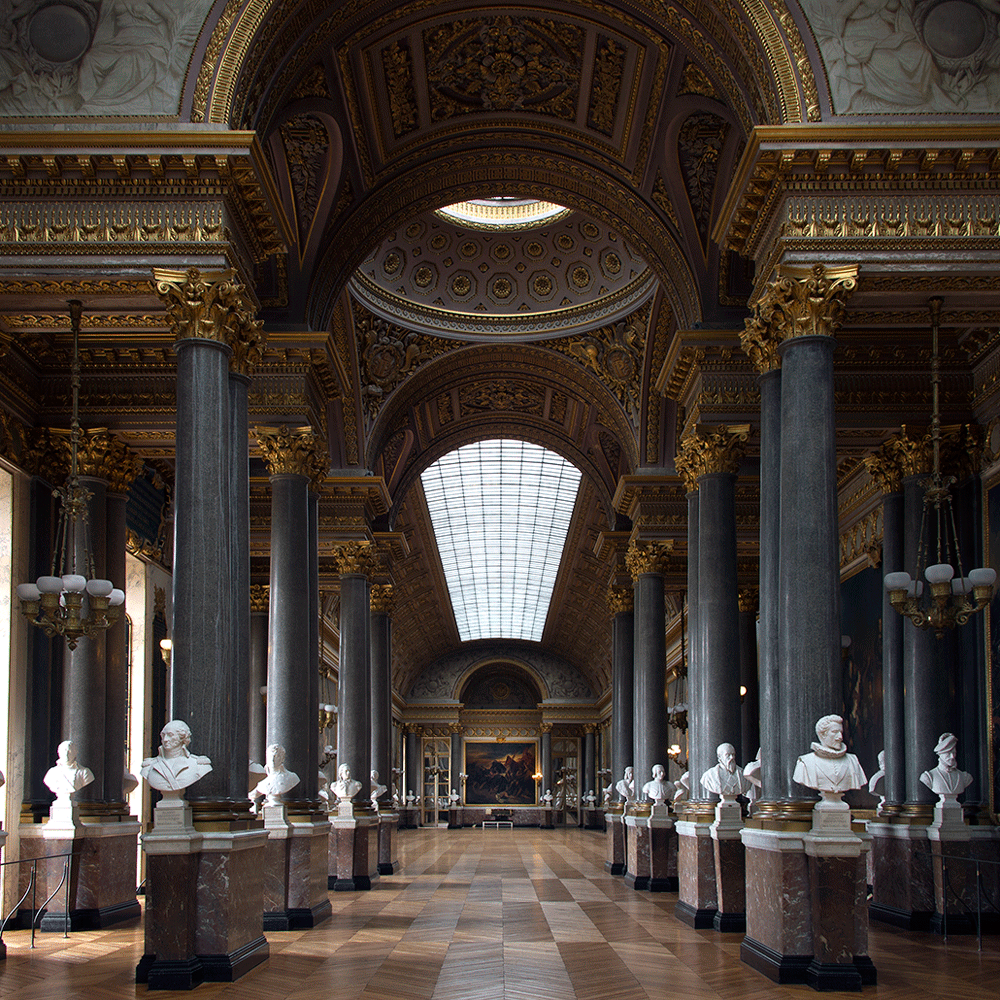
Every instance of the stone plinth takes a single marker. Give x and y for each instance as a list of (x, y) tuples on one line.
[(295, 872), (204, 899), (102, 873), (697, 896), (637, 865), (903, 880), (953, 872), (591, 819), (388, 863), (662, 853), (353, 859), (409, 818), (454, 819), (546, 819), (614, 829)]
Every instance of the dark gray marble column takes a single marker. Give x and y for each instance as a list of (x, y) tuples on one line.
[(647, 564), (288, 667), (354, 683), (258, 672), (456, 756), (694, 636), (622, 682), (311, 783), (202, 657), (714, 684), (750, 702), (589, 761), (116, 658), (775, 759), (546, 751), (413, 782), (381, 686), (85, 687), (893, 741), (809, 564)]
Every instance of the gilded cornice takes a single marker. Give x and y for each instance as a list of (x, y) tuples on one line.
[(204, 305), (382, 600), (806, 301), (260, 598), (648, 557), (354, 502), (293, 451), (620, 599), (355, 558), (645, 499)]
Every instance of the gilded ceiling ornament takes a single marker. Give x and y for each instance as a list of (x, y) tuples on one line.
[(694, 80), (354, 558), (306, 142), (104, 456), (504, 63), (260, 597), (807, 302), (202, 305), (690, 462), (760, 342), (382, 600), (609, 66), (661, 198), (398, 67), (699, 146), (748, 599), (295, 451), (648, 557), (620, 599)]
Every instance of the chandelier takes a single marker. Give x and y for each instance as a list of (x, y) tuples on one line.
[(948, 604), (70, 602)]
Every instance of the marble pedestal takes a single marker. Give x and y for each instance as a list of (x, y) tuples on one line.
[(388, 863), (953, 873), (454, 819), (102, 871), (730, 868), (353, 851), (409, 818), (902, 875), (636, 852), (697, 901), (546, 822), (591, 819), (204, 899), (3, 840), (614, 829), (662, 852), (295, 872)]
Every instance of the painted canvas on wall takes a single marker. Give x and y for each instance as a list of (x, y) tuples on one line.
[(500, 774)]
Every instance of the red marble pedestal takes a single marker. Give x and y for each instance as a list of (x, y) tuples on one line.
[(353, 852), (662, 854), (546, 818), (388, 863), (204, 899), (409, 818), (295, 873), (3, 840), (954, 875), (730, 882), (697, 896), (614, 829), (101, 878), (902, 877), (636, 852)]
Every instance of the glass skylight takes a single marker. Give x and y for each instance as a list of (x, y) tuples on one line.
[(504, 212), (501, 511)]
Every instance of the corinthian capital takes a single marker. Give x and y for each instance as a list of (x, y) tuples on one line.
[(293, 451), (208, 305), (714, 451), (806, 302), (648, 557), (104, 456), (355, 558), (760, 342), (383, 599), (620, 599)]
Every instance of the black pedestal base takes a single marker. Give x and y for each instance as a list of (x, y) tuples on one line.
[(638, 882), (866, 970), (614, 867), (356, 883), (781, 969), (908, 920), (91, 919), (730, 922), (957, 923), (825, 977), (298, 918), (693, 917), (667, 884), (388, 867), (186, 974)]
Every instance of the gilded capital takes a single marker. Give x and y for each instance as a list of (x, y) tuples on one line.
[(456, 728), (247, 340), (690, 462), (806, 302), (355, 558), (749, 600), (760, 343), (260, 597), (382, 599), (545, 727), (589, 727), (723, 449), (204, 305), (412, 729), (104, 456), (648, 557), (294, 451), (620, 599)]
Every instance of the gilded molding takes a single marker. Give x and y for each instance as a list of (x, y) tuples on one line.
[(648, 557), (383, 599), (136, 545), (748, 599), (863, 540), (260, 598), (204, 305), (806, 301), (456, 728), (354, 558), (620, 599), (296, 451)]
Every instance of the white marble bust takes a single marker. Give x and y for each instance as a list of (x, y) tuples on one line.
[(547, 797), (377, 790), (626, 787), (606, 795), (682, 786), (725, 778), (324, 788), (658, 788), (279, 779), (345, 787), (66, 776), (454, 799), (752, 773), (174, 768), (829, 768), (874, 780), (946, 780), (590, 800)]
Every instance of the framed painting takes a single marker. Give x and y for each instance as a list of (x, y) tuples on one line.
[(500, 774)]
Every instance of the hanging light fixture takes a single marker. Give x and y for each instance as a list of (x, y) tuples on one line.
[(948, 604), (70, 602)]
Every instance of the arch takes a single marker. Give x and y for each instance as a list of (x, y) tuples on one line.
[(490, 669)]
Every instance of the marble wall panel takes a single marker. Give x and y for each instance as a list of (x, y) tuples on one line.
[(169, 903), (902, 870), (696, 872), (230, 899)]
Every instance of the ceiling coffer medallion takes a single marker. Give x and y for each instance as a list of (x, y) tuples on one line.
[(504, 64), (388, 355)]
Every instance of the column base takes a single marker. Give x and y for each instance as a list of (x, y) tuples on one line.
[(829, 978), (297, 918), (866, 970), (729, 856), (295, 872), (167, 974), (693, 917), (786, 970), (729, 923), (91, 919)]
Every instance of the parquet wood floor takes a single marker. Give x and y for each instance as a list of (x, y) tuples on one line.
[(496, 915)]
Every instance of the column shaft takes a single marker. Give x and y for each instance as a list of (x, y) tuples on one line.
[(546, 759), (116, 657), (892, 656), (310, 782), (258, 679), (651, 734), (412, 776), (381, 696), (623, 694), (750, 707), (589, 765), (353, 685), (456, 759)]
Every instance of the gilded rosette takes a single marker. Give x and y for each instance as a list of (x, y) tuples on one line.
[(648, 557)]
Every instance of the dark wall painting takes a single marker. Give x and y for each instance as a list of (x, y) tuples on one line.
[(500, 774), (993, 559), (861, 620)]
